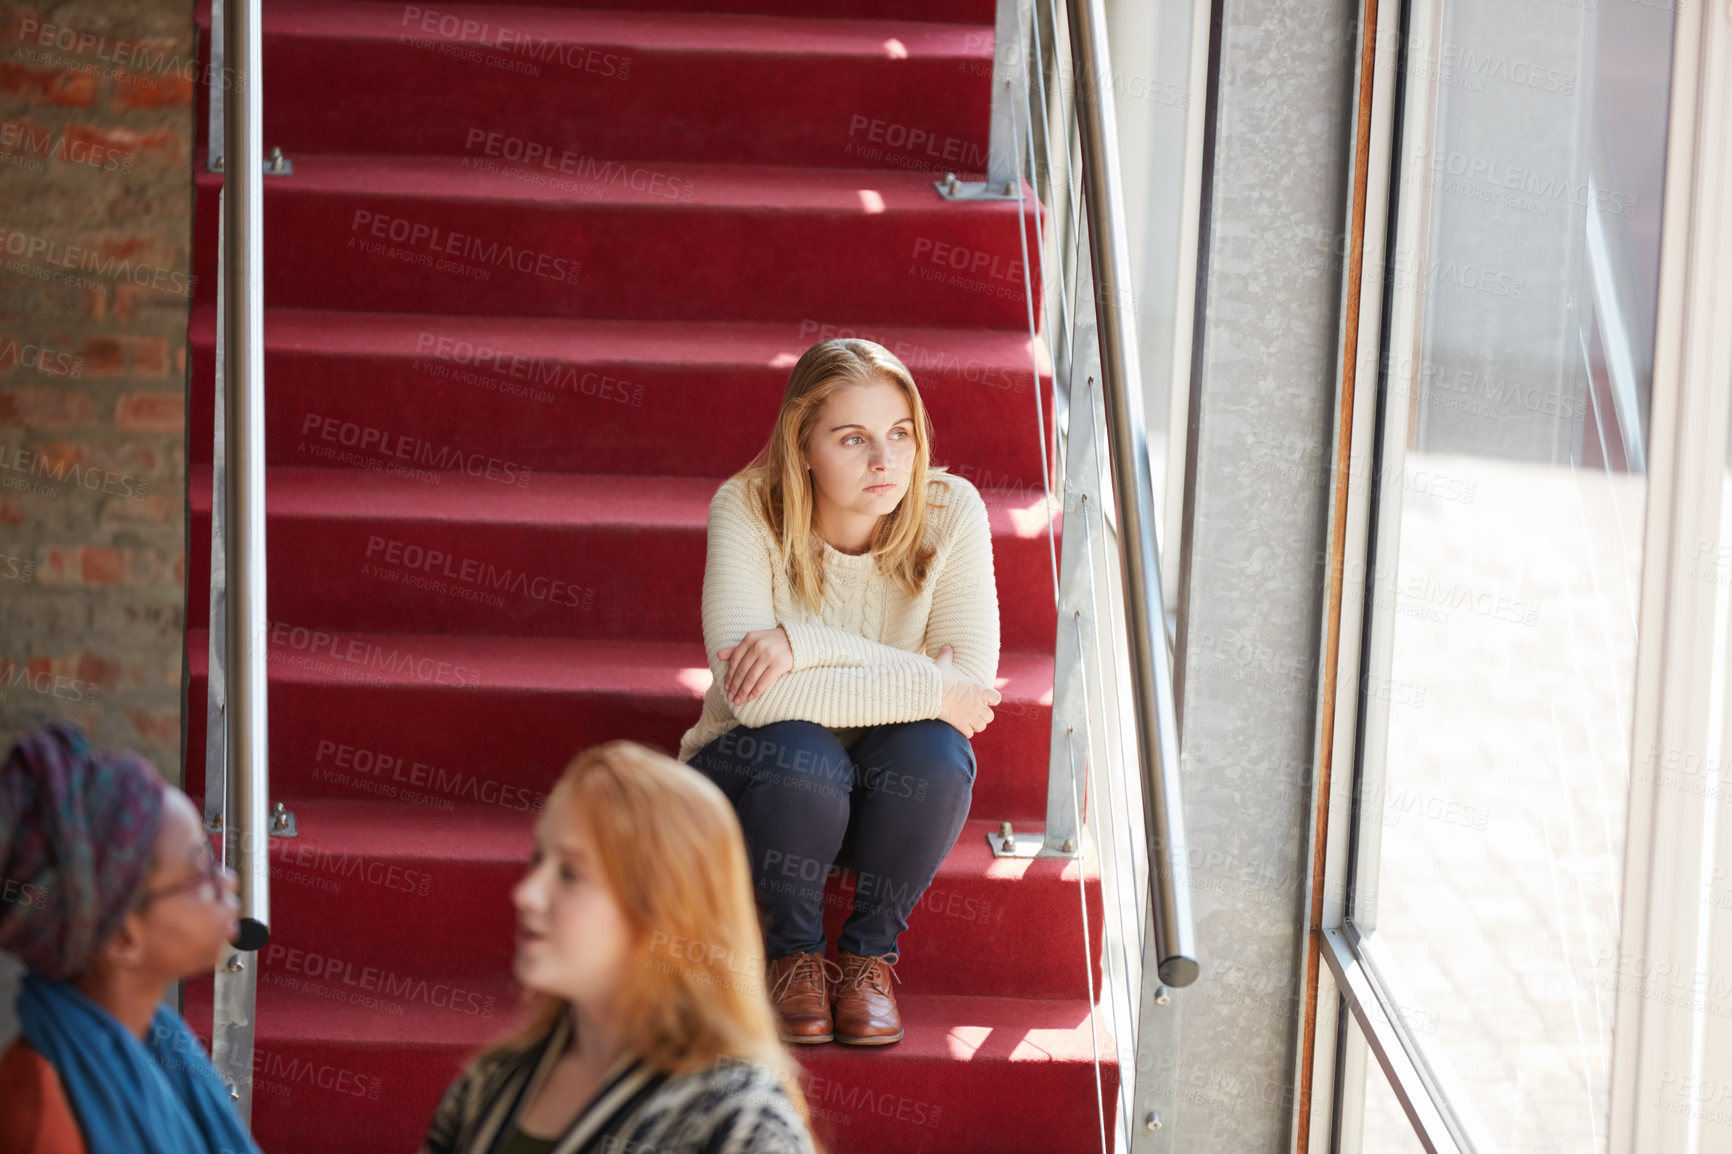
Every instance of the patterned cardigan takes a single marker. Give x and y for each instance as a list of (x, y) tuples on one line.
[(732, 1107)]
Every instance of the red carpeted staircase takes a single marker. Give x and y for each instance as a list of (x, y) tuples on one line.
[(533, 290)]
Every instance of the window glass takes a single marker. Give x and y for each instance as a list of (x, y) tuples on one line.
[(1386, 1129), (1503, 586)]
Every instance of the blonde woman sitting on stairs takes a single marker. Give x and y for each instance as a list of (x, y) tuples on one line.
[(850, 616)]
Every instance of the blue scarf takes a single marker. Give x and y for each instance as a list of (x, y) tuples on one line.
[(155, 1097)]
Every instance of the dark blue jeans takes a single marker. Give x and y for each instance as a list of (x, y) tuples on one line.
[(891, 808)]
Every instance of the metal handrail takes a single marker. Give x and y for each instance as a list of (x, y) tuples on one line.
[(1128, 456), (1114, 717), (237, 720), (243, 377)]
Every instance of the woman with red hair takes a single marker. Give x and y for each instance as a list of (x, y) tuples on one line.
[(648, 1027)]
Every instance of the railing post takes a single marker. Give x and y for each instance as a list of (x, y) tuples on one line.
[(216, 736), (1004, 157), (1076, 666), (244, 714), (215, 76), (1004, 153), (1154, 1084)]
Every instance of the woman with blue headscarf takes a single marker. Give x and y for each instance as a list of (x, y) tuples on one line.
[(110, 894)]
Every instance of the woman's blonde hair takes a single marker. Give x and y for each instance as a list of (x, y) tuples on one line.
[(783, 492), (669, 847)]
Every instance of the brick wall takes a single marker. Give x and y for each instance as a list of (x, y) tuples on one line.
[(96, 141)]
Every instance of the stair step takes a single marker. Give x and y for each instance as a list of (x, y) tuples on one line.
[(549, 555), (606, 396), (367, 873), (346, 1077), (576, 84), (350, 715), (938, 11), (420, 234)]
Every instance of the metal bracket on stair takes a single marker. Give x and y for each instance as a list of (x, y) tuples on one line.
[(276, 164), (952, 189), (282, 822), (1007, 842)]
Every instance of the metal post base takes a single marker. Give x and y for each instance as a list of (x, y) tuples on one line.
[(1007, 842), (276, 164), (952, 189), (282, 822)]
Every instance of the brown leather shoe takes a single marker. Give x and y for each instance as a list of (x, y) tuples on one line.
[(866, 1013), (799, 987)]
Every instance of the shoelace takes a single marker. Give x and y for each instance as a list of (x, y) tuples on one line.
[(803, 966), (861, 970)]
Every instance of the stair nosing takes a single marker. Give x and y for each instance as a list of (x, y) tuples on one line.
[(854, 38), (825, 188)]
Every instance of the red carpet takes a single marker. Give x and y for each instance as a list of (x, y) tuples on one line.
[(533, 290)]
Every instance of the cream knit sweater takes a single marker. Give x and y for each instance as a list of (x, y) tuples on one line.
[(866, 657)]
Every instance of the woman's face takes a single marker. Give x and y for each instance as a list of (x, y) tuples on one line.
[(862, 449), (188, 911), (573, 940)]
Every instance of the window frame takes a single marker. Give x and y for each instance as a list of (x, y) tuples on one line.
[(1687, 454)]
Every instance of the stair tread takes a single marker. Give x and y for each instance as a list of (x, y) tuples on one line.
[(565, 499), (943, 1027), (750, 344), (970, 12), (550, 664), (739, 187), (385, 830), (398, 832), (643, 30)]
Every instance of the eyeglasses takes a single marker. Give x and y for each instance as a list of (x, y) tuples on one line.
[(209, 880)]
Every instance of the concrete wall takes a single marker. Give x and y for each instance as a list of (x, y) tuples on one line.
[(1262, 407)]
